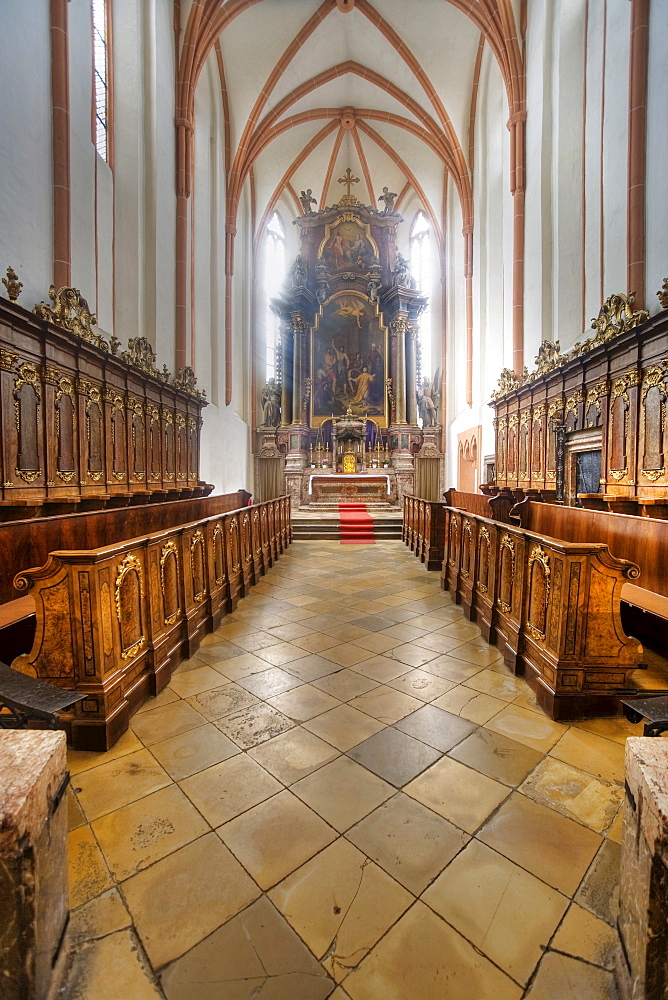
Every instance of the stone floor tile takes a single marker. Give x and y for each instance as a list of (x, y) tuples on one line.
[(316, 642), (599, 890), (617, 827), (233, 629), (135, 836), (464, 701), (88, 873), (166, 697), (496, 756), (498, 685), (508, 914), (193, 751), (555, 849), (111, 967), (420, 684), (293, 755), (254, 954), (311, 667), (412, 655), (528, 728), (344, 727), (617, 729), (84, 760), (386, 704), (75, 815), (222, 701), (304, 702), (435, 727), (229, 788), (428, 621), (244, 665), (437, 643), (102, 915), (599, 756), (343, 792), (346, 632), (252, 726), (451, 669), (569, 979), (459, 794), (473, 652), (184, 897), (259, 640), (382, 668), (462, 629), (394, 756), (282, 652), (345, 684), (378, 643), (220, 652), (291, 631), (583, 935), (410, 842), (170, 720), (275, 837), (340, 903), (574, 793), (347, 654), (112, 785), (269, 682), (194, 681), (372, 623), (442, 964), (405, 632)]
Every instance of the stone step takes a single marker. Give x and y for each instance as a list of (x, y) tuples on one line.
[(327, 527)]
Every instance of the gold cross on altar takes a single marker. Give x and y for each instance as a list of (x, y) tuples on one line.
[(348, 179)]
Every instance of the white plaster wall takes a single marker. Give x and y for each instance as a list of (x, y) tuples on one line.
[(26, 165), (657, 156)]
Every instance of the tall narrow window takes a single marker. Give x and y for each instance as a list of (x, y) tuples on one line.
[(99, 8), (274, 276), (421, 270)]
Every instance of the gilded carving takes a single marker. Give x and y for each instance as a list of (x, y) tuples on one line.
[(26, 415), (107, 627), (573, 401), (12, 284), (556, 406), (218, 557), (615, 317), (508, 382), (8, 361), (466, 547), (186, 381), (507, 572), (70, 312), (539, 591), (245, 527), (197, 566), (140, 355), (169, 576), (548, 359), (399, 325), (483, 559), (234, 540), (129, 596)]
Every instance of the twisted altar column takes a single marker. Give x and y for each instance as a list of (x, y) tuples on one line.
[(298, 329), (399, 327), (411, 376)]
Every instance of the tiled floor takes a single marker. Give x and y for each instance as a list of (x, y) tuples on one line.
[(346, 794)]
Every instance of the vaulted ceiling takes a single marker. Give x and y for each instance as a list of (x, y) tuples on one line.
[(385, 87)]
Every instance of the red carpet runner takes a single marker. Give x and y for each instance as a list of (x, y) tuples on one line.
[(356, 525)]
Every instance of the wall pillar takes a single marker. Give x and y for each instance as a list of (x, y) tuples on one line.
[(399, 329), (637, 155), (60, 98)]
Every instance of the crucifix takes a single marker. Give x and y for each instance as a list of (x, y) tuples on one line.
[(348, 180)]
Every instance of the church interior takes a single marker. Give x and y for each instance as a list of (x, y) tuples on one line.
[(334, 500)]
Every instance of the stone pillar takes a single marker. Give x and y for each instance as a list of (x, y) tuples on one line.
[(641, 967), (411, 376), (286, 373), (33, 863), (399, 329)]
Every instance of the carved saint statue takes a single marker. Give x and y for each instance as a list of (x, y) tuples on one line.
[(307, 200), (271, 404), (402, 274), (426, 406), (388, 197), (297, 274)]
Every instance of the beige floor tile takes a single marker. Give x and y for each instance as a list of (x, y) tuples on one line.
[(83, 760), (618, 729), (498, 685), (528, 728), (244, 665), (438, 644), (452, 669), (221, 701), (475, 652), (166, 697), (256, 953), (340, 904), (378, 643), (344, 727), (291, 631), (343, 792), (345, 684), (574, 793), (182, 898), (568, 979), (254, 725), (599, 889), (260, 640), (422, 685), (555, 849), (234, 629), (617, 827), (599, 756), (282, 652), (75, 814), (109, 968), (102, 915), (410, 842), (527, 699), (413, 655), (386, 704), (347, 632), (221, 651), (464, 701), (87, 870), (405, 632), (462, 629), (501, 909), (585, 936), (293, 755), (496, 756), (382, 668), (135, 836), (179, 717), (194, 681), (193, 751), (275, 837), (459, 794), (316, 642), (229, 788), (431, 623), (270, 682), (113, 785), (347, 654), (442, 964), (303, 703)]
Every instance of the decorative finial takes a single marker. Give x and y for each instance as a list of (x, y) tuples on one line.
[(348, 180), (12, 284)]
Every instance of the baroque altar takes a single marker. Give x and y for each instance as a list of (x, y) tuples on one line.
[(344, 401)]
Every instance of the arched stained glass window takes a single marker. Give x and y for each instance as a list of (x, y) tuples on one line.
[(101, 76), (274, 275), (420, 245)]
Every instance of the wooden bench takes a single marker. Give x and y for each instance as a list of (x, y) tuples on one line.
[(423, 530), (114, 621), (551, 606), (26, 698)]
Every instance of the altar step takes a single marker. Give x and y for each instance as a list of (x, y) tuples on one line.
[(325, 526)]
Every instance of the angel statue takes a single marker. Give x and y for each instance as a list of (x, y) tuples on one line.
[(426, 406), (388, 197), (307, 200), (271, 404), (402, 274)]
